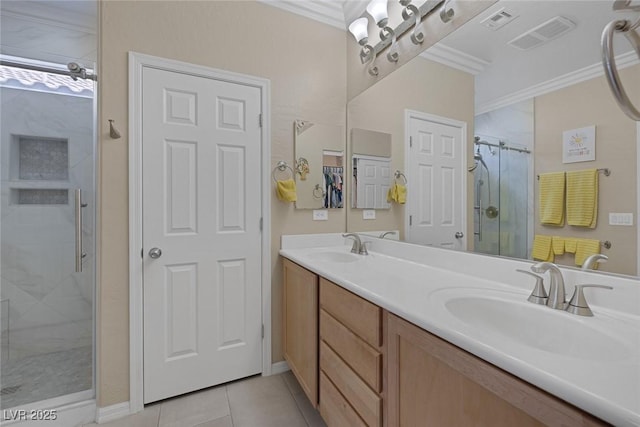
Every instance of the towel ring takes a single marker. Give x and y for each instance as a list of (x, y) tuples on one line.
[(318, 192), (399, 175), (281, 166), (611, 73)]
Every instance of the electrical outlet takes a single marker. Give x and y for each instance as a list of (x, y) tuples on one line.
[(320, 215), (620, 218), (368, 214)]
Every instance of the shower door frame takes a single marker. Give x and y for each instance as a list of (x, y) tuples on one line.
[(81, 406)]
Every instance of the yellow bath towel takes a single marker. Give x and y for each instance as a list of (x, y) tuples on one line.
[(542, 248), (586, 248), (582, 198), (551, 198), (557, 243), (392, 194), (286, 190)]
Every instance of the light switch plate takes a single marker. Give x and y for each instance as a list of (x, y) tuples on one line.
[(368, 214), (620, 218), (320, 215)]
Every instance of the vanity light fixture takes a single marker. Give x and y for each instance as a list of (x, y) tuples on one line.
[(412, 16), (378, 11)]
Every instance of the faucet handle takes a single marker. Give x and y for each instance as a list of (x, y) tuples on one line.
[(363, 247), (539, 294), (578, 304)]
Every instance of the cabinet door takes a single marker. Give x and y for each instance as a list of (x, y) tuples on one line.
[(301, 326), (434, 383)]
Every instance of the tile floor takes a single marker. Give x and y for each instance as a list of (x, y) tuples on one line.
[(275, 401)]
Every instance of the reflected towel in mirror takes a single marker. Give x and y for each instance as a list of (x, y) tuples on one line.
[(582, 198), (552, 198)]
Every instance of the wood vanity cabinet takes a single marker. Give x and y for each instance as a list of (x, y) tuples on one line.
[(351, 376), (434, 383), (300, 320)]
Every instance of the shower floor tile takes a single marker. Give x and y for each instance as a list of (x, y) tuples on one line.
[(45, 376)]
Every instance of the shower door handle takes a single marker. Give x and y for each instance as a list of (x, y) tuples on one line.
[(78, 211)]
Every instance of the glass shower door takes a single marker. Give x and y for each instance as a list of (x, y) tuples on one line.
[(47, 309)]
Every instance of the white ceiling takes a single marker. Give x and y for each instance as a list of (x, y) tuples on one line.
[(63, 31)]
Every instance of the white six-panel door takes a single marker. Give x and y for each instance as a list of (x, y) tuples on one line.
[(435, 190), (202, 210)]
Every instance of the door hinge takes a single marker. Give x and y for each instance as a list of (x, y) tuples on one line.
[(410, 220), (142, 253), (263, 330), (410, 141), (261, 224), (260, 119)]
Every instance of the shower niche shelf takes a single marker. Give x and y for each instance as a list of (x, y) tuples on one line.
[(39, 171)]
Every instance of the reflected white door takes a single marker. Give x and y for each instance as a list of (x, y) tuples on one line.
[(374, 179), (436, 191), (201, 209)]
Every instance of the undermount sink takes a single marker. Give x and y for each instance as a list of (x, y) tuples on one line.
[(512, 318), (335, 256)]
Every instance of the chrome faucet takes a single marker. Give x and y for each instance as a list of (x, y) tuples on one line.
[(557, 297), (358, 247), (387, 233), (592, 260)]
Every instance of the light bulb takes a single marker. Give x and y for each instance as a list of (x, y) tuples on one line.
[(359, 30), (378, 10)]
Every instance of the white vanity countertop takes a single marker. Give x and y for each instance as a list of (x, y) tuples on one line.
[(590, 374)]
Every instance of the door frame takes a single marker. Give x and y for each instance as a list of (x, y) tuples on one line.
[(137, 62), (413, 114)]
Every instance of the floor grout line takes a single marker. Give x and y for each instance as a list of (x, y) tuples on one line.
[(226, 393), (286, 384)]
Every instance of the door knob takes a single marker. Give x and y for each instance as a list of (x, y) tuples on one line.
[(459, 234), (155, 253)]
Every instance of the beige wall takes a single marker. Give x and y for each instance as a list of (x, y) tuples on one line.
[(305, 61), (585, 104), (420, 85)]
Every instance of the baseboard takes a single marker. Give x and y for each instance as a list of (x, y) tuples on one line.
[(113, 412), (279, 367)]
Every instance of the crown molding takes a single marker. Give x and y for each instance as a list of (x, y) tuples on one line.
[(455, 59), (592, 71), (327, 11)]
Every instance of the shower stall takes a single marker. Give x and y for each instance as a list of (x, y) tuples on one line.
[(501, 199), (47, 287)]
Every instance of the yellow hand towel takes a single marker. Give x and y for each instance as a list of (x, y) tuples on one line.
[(582, 198), (557, 243), (401, 192), (551, 198), (286, 190), (542, 248), (570, 244), (586, 248), (392, 194)]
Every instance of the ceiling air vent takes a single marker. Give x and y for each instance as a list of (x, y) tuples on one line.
[(499, 19), (541, 34)]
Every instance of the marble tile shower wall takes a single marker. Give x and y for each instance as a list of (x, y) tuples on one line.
[(46, 306)]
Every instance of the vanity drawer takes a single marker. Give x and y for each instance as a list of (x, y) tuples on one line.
[(366, 403), (334, 409), (357, 314), (359, 355)]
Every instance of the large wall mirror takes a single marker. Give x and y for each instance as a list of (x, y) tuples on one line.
[(514, 87), (319, 167)]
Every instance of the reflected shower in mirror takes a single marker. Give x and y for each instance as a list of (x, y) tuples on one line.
[(319, 166)]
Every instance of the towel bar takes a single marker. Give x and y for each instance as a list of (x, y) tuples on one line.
[(605, 171), (606, 244)]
